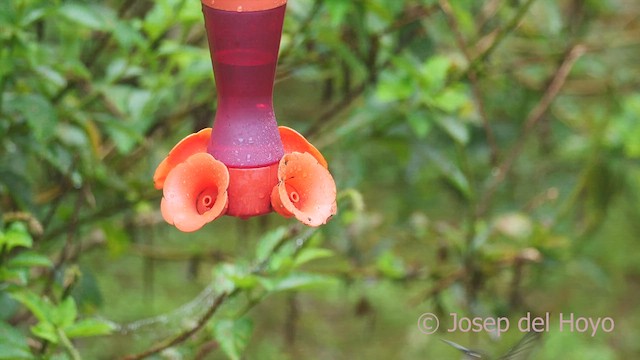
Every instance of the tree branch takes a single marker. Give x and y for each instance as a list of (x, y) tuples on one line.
[(473, 78), (534, 117), (498, 36), (183, 336), (220, 299)]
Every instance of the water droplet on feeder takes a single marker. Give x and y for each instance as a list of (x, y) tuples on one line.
[(241, 140), (239, 8)]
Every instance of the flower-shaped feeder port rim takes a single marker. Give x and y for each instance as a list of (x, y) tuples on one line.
[(305, 190), (195, 192), (191, 144)]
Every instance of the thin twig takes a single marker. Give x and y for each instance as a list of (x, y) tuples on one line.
[(71, 228), (324, 119), (441, 285), (64, 254), (185, 334), (489, 9), (106, 212), (165, 254), (291, 322), (68, 345), (302, 28), (531, 121), (498, 37), (205, 349), (473, 78)]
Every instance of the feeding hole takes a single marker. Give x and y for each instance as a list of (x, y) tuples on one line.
[(294, 197), (206, 200)]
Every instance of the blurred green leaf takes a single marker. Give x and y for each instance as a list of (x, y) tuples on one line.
[(268, 242), (162, 16), (233, 336), (224, 276), (124, 136), (310, 254), (244, 280), (13, 344), (450, 99), (84, 14), (45, 330), (454, 128), (16, 275), (391, 266), (17, 186), (89, 327), (16, 235), (434, 73), (52, 76), (8, 305), (281, 262), (29, 259), (393, 87), (40, 308), (625, 130), (39, 113), (298, 281), (420, 123), (127, 35), (337, 11), (451, 172), (87, 291), (72, 136), (65, 313), (32, 16)]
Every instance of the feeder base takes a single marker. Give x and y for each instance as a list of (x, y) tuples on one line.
[(250, 190)]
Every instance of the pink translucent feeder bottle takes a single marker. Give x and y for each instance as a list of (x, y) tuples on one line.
[(244, 39)]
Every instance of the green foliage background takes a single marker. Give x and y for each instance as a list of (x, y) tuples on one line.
[(487, 156)]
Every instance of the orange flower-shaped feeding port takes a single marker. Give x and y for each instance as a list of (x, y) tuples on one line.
[(305, 189), (197, 188), (192, 144), (195, 192)]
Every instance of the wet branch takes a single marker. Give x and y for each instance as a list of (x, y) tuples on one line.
[(185, 335)]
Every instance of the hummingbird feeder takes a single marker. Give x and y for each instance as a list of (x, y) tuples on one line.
[(245, 165)]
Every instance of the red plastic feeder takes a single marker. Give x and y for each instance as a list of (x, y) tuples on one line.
[(244, 39), (253, 166)]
